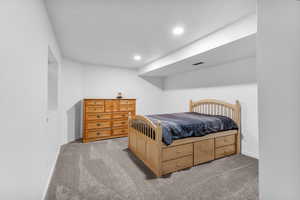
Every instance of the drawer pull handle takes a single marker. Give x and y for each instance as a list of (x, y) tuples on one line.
[(98, 124), (98, 116)]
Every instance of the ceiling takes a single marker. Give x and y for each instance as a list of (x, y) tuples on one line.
[(109, 33), (236, 50)]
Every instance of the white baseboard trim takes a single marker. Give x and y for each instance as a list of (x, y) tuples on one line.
[(250, 154), (50, 174)]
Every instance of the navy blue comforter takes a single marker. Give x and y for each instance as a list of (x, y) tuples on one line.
[(188, 124)]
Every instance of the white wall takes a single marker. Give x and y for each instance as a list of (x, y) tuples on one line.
[(278, 69), (72, 94), (28, 151), (87, 81), (106, 82), (228, 82)]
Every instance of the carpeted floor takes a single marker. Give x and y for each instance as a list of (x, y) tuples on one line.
[(107, 170)]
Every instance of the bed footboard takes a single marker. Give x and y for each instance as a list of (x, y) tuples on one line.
[(145, 141)]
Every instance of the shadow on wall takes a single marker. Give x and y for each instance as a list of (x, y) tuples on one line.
[(156, 81), (74, 115), (234, 73)]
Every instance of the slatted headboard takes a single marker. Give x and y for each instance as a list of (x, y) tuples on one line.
[(216, 107)]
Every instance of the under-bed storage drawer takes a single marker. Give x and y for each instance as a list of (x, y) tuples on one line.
[(177, 151), (224, 151), (177, 164), (204, 151), (225, 140)]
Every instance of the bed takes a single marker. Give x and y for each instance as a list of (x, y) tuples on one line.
[(149, 136)]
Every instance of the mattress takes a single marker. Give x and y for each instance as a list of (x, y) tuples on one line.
[(191, 124)]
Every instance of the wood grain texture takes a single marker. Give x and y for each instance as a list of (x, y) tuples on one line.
[(224, 141), (204, 151), (145, 138), (225, 151), (177, 152), (103, 119)]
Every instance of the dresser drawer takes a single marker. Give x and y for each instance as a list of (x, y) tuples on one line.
[(224, 141), (131, 102), (224, 151), (98, 133), (177, 152), (127, 108), (120, 115), (131, 107), (94, 109), (106, 118), (127, 101), (119, 123), (95, 102), (98, 124), (127, 105), (123, 107), (112, 105), (122, 102), (120, 131), (97, 116), (177, 164)]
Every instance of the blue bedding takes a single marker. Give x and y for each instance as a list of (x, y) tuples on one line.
[(189, 124)]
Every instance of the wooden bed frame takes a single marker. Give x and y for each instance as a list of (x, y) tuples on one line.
[(145, 140)]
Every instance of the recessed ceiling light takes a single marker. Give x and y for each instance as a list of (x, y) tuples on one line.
[(137, 57), (178, 30)]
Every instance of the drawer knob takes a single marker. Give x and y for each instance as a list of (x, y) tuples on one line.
[(98, 124), (98, 116), (98, 133)]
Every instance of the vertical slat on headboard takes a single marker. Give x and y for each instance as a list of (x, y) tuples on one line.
[(215, 108)]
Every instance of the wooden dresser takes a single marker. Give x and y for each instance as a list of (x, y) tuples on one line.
[(106, 118)]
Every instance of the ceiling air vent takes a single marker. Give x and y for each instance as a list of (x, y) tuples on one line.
[(198, 63)]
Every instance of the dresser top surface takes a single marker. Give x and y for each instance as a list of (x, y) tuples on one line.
[(111, 99)]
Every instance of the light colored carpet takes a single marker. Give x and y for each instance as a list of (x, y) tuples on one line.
[(107, 170)]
